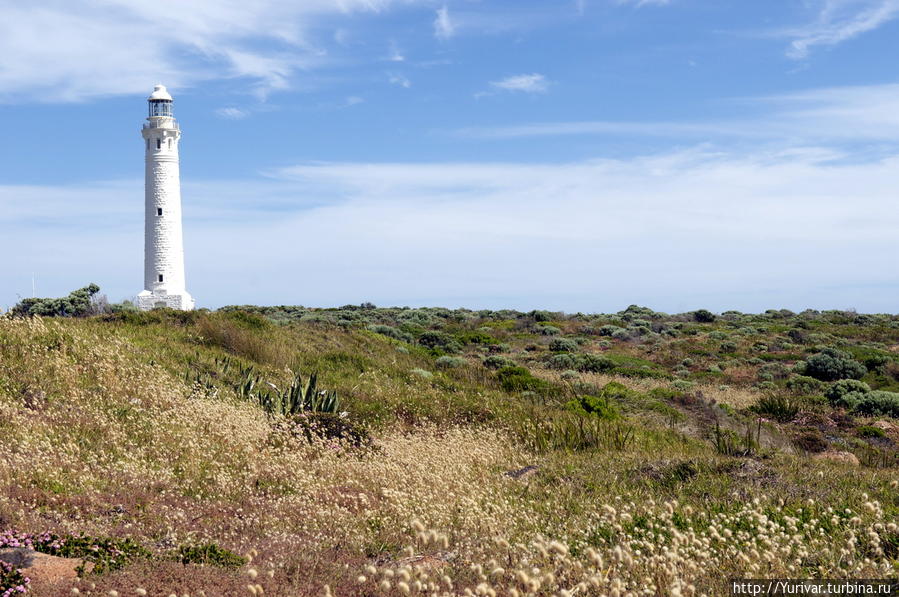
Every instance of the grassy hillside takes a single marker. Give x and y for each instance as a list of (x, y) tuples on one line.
[(494, 452)]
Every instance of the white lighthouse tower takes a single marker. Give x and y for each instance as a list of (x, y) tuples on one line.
[(163, 244)]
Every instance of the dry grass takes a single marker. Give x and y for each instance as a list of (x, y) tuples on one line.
[(100, 439)]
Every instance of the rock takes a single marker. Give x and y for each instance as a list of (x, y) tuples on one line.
[(522, 473), (884, 426), (841, 457), (41, 568)]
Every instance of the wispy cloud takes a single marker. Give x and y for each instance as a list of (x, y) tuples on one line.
[(399, 79), (444, 28), (394, 54), (748, 218), (853, 114), (530, 83), (838, 21), (232, 113), (74, 51), (640, 3)]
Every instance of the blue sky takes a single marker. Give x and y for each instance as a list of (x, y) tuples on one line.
[(579, 155)]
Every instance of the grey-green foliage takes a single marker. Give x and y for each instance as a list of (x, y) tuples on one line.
[(802, 384), (610, 330), (878, 402), (548, 330), (498, 362), (563, 345), (390, 332), (299, 397), (447, 362), (580, 362), (76, 304), (840, 388), (831, 364)]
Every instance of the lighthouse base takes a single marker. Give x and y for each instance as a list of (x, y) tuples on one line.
[(148, 299)]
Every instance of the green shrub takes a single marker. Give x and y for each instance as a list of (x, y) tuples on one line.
[(831, 364), (598, 406), (839, 389), (498, 362), (390, 332), (610, 330), (563, 345), (548, 330), (569, 375), (519, 379), (683, 385), (422, 373), (76, 304), (878, 402), (595, 363), (446, 362), (704, 316), (728, 347), (870, 431), (563, 361), (436, 340), (804, 385), (209, 554)]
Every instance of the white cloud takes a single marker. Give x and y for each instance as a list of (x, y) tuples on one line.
[(399, 79), (232, 113), (353, 100), (838, 21), (443, 24), (675, 231), (60, 50), (394, 54), (640, 3), (531, 83), (843, 114)]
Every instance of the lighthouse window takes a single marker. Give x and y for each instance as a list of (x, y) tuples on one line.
[(148, 144), (160, 277), (158, 143), (158, 211), (170, 143)]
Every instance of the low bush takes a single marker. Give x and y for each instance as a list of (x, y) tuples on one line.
[(598, 406), (76, 304), (209, 554), (12, 581), (831, 364), (519, 379), (390, 332), (447, 362), (804, 385), (498, 362), (878, 402), (840, 388), (563, 345), (870, 431)]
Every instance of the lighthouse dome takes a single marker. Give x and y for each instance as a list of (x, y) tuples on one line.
[(160, 93)]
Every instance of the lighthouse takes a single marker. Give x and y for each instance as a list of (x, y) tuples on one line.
[(163, 240)]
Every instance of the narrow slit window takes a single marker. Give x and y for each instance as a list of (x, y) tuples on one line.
[(158, 143), (160, 277), (170, 143), (148, 144), (158, 211)]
